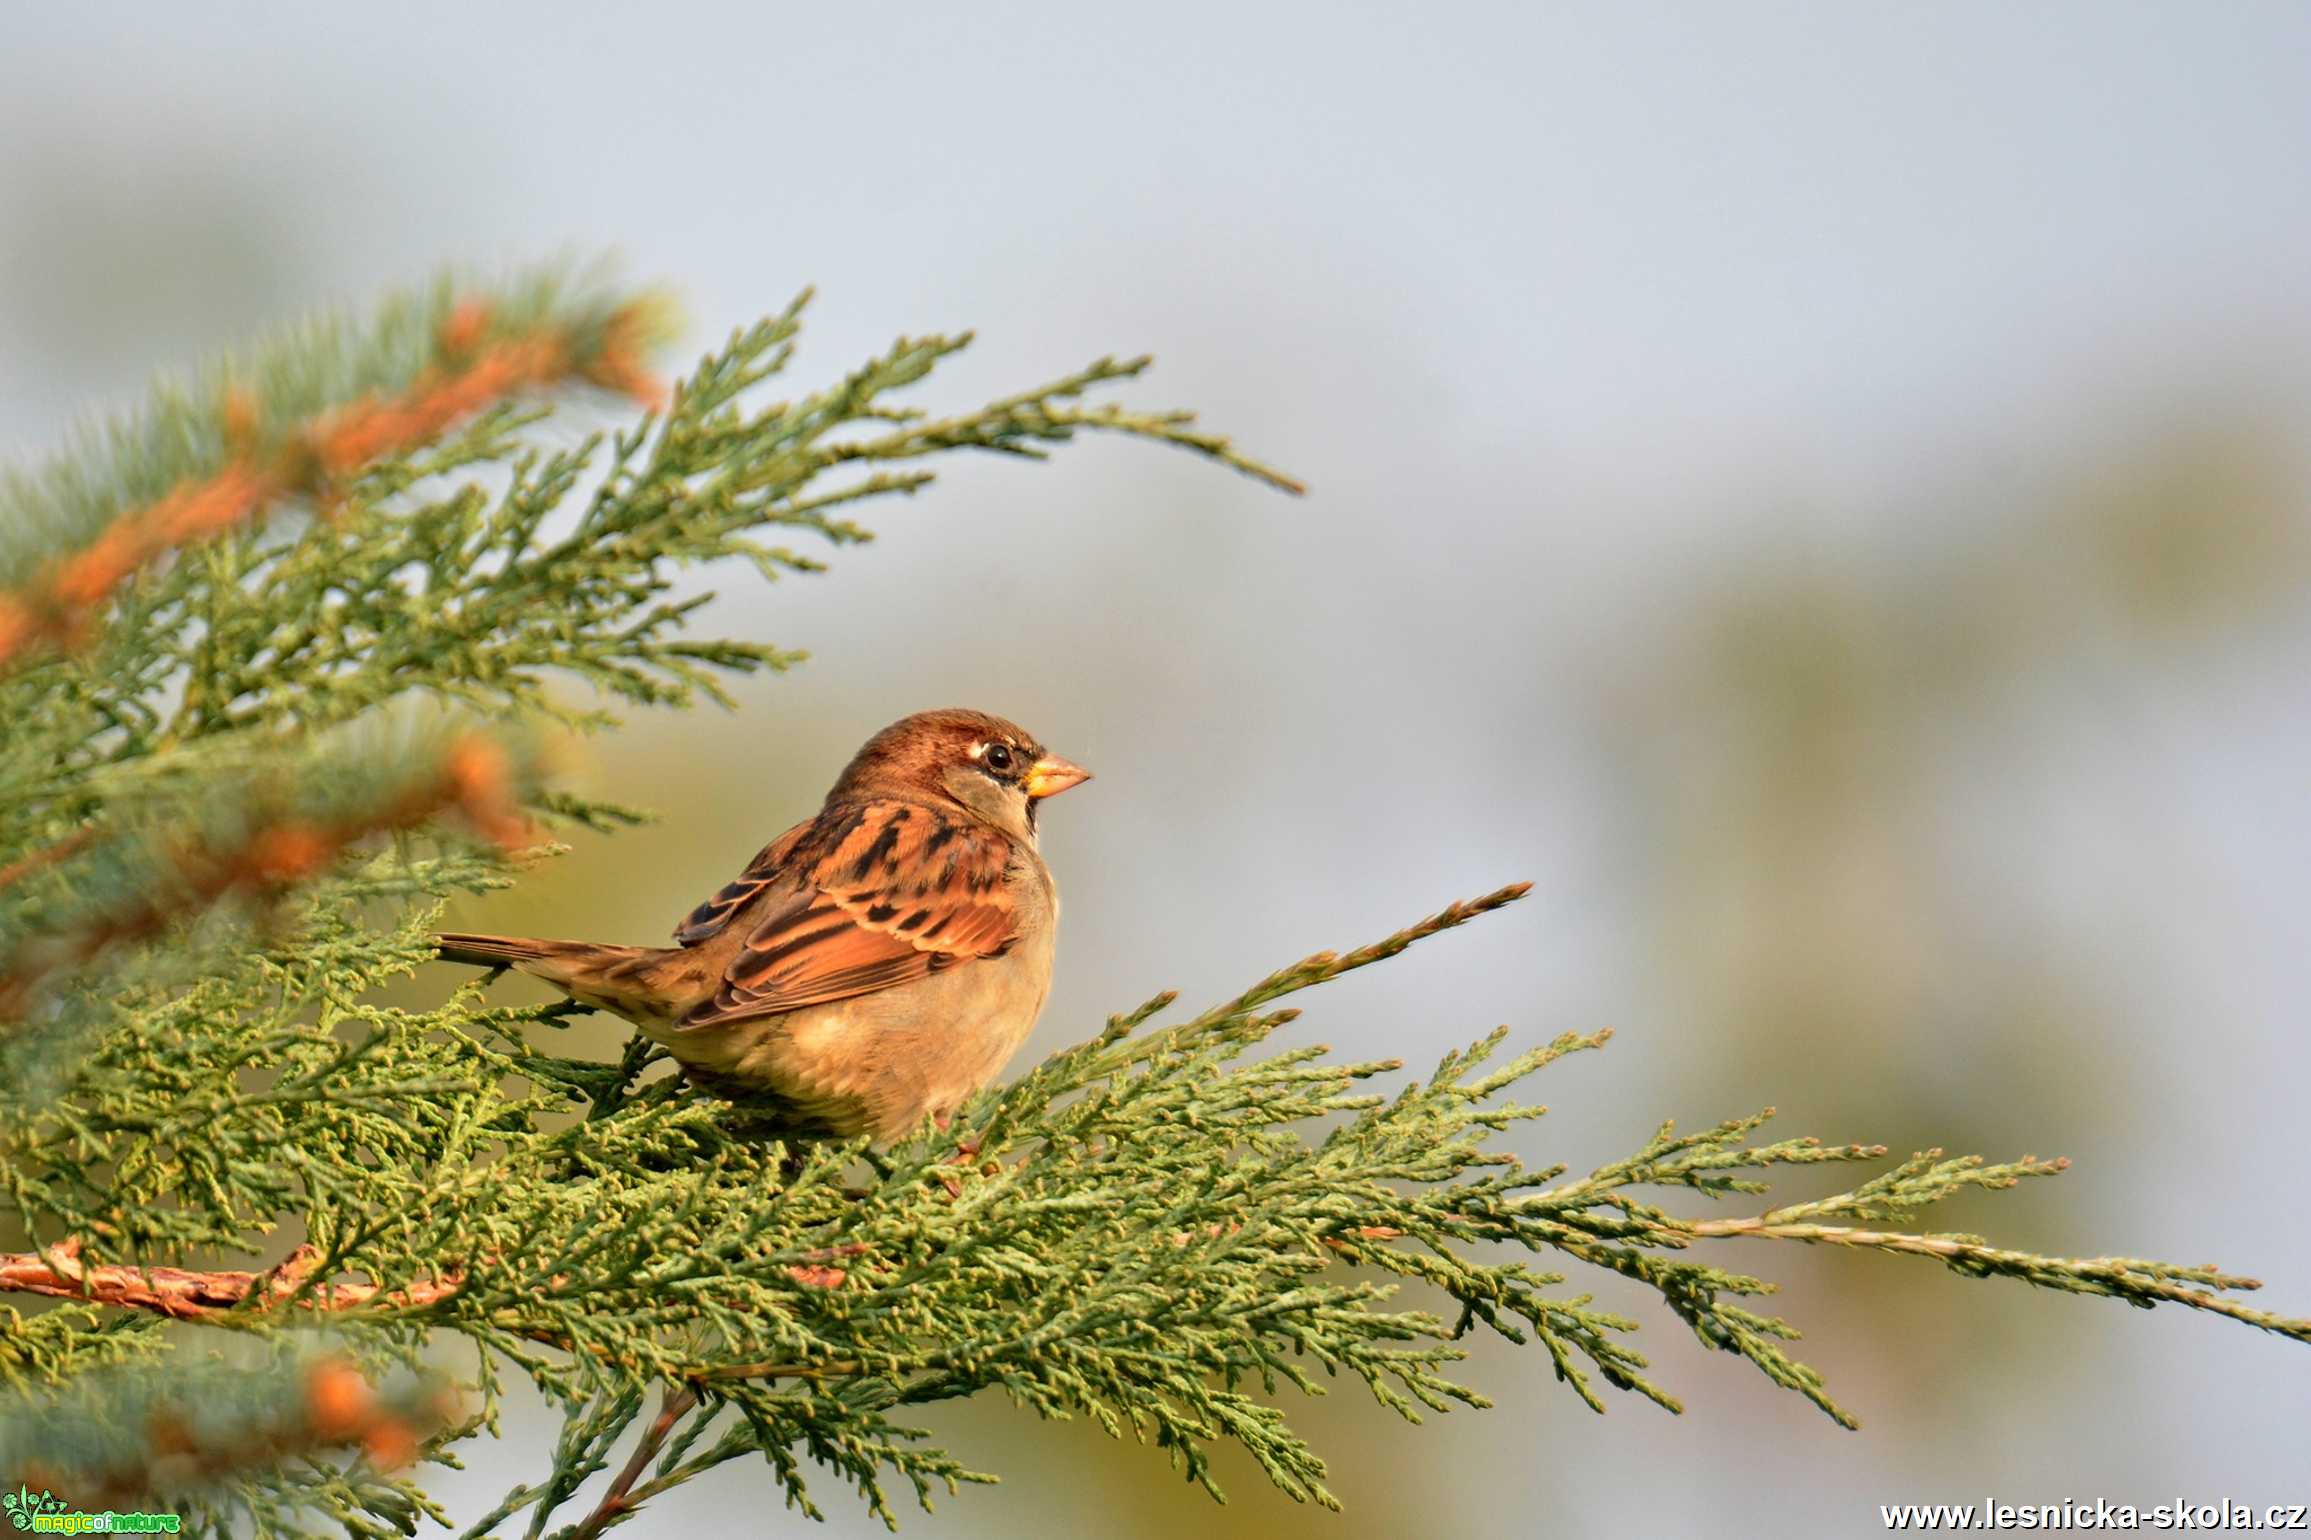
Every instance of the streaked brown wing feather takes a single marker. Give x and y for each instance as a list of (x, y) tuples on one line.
[(883, 893), (706, 921)]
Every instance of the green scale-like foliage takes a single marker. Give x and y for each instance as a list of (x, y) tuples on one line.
[(1158, 1230)]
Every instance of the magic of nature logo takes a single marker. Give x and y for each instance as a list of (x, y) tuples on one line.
[(45, 1513)]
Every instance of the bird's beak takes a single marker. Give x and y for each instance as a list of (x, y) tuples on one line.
[(1051, 775)]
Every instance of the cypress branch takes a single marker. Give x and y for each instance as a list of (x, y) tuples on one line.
[(255, 766)]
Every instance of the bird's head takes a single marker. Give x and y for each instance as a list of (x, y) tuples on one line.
[(992, 769)]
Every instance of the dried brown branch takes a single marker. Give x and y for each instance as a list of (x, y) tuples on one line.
[(186, 1295)]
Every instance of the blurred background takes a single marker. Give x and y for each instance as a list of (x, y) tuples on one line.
[(1820, 490)]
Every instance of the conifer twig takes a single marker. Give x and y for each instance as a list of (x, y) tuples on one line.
[(2141, 1281), (616, 1503)]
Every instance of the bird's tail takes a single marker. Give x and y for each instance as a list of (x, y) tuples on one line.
[(460, 946), (557, 962)]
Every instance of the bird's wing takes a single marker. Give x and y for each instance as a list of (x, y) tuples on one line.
[(769, 864), (869, 896)]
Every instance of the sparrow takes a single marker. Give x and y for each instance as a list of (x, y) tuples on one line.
[(872, 966)]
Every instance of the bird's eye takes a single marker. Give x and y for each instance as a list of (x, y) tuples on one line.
[(997, 758)]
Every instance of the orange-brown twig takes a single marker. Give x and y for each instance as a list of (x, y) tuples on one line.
[(46, 856), (673, 1406), (311, 459), (186, 1295), (193, 1296)]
